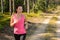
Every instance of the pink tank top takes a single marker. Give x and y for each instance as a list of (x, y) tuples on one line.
[(19, 26)]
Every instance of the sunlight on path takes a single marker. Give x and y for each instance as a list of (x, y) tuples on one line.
[(46, 21), (58, 28), (40, 30)]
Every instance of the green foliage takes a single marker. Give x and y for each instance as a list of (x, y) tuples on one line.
[(6, 5), (4, 20), (32, 14), (1, 26), (35, 5), (43, 5), (0, 5)]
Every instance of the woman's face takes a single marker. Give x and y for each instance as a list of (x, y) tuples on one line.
[(19, 9)]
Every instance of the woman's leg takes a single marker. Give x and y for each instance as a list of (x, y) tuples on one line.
[(17, 36), (24, 36)]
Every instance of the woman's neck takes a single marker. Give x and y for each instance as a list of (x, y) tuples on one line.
[(19, 14)]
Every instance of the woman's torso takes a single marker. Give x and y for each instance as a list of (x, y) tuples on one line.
[(19, 26)]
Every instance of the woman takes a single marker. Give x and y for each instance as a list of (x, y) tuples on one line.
[(17, 21)]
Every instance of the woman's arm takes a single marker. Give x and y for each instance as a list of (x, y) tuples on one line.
[(26, 23), (12, 21)]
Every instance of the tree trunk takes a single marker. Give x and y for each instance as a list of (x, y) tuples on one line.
[(24, 2), (2, 6), (13, 6), (10, 7), (46, 6), (27, 6), (24, 5), (33, 5)]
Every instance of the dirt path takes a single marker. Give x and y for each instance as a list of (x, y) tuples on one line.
[(40, 30), (58, 28)]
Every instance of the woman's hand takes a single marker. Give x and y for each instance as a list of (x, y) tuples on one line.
[(15, 21), (12, 21)]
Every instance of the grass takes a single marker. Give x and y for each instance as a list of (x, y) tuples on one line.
[(32, 16)]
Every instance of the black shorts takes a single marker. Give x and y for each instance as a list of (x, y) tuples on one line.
[(18, 36)]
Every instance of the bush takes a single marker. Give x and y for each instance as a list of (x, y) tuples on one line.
[(1, 26), (4, 20)]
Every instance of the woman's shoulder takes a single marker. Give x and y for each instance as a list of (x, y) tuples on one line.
[(13, 14), (23, 15)]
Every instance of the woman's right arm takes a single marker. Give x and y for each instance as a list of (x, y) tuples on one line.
[(12, 21)]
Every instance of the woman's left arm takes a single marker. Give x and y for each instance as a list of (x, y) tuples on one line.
[(26, 23)]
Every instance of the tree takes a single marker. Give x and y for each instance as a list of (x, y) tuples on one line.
[(10, 6), (13, 6), (32, 5), (6, 5), (27, 6), (2, 6), (47, 4)]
